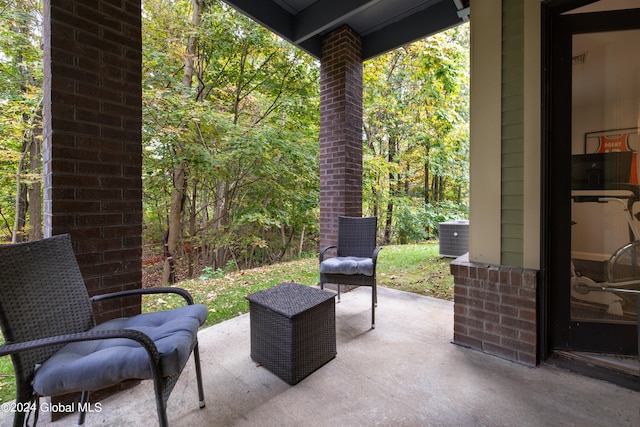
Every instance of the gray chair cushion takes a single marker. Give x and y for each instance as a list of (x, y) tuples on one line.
[(90, 365), (347, 265)]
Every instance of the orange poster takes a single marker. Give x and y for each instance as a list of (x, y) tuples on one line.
[(620, 143)]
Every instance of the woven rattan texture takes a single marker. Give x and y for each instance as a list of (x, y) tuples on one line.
[(290, 299), (292, 347), (42, 294), (356, 236)]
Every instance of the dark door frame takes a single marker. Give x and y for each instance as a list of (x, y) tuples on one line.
[(556, 331)]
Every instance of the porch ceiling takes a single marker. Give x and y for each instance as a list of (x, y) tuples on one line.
[(383, 24)]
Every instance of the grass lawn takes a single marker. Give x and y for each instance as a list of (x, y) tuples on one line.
[(416, 268)]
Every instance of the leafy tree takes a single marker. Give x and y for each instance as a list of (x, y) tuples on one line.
[(416, 135), (20, 122), (230, 136)]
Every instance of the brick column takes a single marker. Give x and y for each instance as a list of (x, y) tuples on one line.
[(340, 131), (93, 141)]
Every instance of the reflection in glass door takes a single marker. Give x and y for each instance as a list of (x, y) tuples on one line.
[(605, 140)]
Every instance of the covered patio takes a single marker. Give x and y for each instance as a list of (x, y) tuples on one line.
[(406, 372)]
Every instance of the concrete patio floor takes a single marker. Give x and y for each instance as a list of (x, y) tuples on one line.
[(406, 372)]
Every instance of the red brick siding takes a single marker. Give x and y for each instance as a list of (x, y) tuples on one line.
[(93, 141), (340, 131), (495, 310)]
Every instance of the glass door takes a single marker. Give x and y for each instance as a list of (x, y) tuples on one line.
[(595, 127)]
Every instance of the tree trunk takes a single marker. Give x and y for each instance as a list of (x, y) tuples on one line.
[(205, 248), (221, 221), (192, 255), (393, 189), (29, 144), (192, 43), (174, 234), (175, 223), (35, 192), (21, 213), (435, 189), (427, 199), (20, 219), (389, 222), (304, 227)]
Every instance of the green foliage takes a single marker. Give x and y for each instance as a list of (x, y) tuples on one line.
[(416, 135), (7, 379), (410, 224), (208, 273), (417, 222), (244, 131), (20, 100), (245, 135)]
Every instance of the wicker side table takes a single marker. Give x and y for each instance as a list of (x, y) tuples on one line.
[(293, 329)]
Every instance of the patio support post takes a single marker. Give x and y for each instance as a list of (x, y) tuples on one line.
[(92, 143), (340, 131), (92, 147)]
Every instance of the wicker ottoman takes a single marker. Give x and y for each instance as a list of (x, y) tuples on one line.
[(293, 329)]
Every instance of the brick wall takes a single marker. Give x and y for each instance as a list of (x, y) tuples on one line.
[(92, 140), (495, 310), (340, 131)]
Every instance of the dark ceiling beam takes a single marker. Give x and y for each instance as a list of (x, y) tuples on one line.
[(419, 25), (312, 46), (325, 14), (268, 14)]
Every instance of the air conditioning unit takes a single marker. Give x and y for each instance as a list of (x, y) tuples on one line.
[(454, 238)]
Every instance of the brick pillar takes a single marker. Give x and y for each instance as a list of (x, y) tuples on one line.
[(92, 148), (340, 131), (93, 141)]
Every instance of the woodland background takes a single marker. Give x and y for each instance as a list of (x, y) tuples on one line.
[(230, 137)]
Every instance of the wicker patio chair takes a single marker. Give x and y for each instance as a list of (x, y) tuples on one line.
[(357, 254), (48, 325)]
